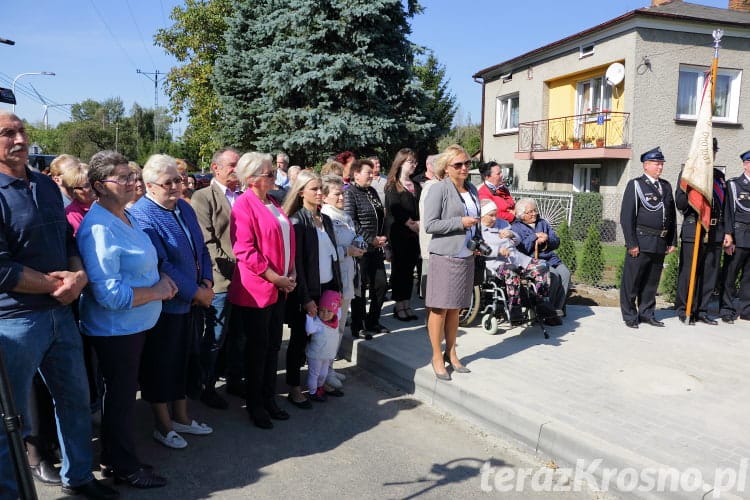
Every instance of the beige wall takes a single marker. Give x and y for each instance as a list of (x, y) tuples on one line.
[(654, 111), (540, 86)]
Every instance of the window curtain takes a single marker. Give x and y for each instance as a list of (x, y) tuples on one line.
[(721, 97), (687, 93)]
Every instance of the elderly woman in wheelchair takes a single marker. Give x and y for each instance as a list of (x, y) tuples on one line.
[(509, 265)]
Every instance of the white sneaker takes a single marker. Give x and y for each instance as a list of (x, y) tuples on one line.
[(193, 428), (171, 440), (338, 375), (333, 381)]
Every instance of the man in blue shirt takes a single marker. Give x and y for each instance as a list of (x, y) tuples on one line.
[(40, 275)]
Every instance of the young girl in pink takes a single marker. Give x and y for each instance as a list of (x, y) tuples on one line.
[(323, 331)]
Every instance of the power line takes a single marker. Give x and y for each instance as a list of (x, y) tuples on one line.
[(140, 33), (111, 33)]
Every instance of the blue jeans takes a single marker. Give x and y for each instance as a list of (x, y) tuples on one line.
[(217, 323), (49, 341)]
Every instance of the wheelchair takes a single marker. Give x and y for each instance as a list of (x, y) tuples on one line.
[(490, 300)]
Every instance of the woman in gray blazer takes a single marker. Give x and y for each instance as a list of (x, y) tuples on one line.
[(451, 216)]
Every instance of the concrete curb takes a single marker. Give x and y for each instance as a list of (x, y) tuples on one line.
[(566, 444)]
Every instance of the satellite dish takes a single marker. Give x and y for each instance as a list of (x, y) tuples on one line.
[(615, 74)]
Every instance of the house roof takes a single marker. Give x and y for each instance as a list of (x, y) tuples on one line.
[(677, 9)]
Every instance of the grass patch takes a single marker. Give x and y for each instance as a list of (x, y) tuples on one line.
[(614, 255)]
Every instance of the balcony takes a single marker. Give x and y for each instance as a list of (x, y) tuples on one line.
[(599, 134)]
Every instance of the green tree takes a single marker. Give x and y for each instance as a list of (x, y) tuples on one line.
[(592, 260), (104, 125), (567, 250), (668, 282), (106, 112), (468, 136), (196, 39), (440, 106), (314, 77), (587, 211)]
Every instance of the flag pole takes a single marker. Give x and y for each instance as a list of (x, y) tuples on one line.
[(717, 34)]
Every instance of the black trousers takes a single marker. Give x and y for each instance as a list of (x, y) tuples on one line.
[(372, 279), (640, 280), (119, 358), (403, 262), (262, 328), (740, 262), (42, 441), (706, 274)]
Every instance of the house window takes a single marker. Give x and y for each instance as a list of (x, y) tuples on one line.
[(507, 114), (727, 96), (585, 51), (593, 96), (586, 177)]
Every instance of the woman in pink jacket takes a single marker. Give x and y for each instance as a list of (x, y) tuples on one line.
[(263, 243)]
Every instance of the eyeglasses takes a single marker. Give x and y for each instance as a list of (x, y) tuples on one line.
[(85, 187), (410, 160), (268, 175), (532, 211), (460, 164), (169, 184), (122, 180)]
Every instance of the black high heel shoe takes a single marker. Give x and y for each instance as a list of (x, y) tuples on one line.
[(402, 315), (458, 369)]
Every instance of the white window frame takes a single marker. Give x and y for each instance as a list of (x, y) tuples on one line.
[(585, 51), (501, 118), (600, 93), (733, 101), (582, 174)]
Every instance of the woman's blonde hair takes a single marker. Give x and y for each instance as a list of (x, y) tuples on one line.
[(447, 156), (293, 201)]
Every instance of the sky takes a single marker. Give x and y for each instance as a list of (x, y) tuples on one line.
[(95, 47)]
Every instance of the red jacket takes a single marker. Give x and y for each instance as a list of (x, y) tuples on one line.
[(506, 206)]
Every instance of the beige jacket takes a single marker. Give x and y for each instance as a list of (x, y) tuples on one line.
[(213, 211)]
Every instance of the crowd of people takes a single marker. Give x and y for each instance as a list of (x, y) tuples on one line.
[(117, 278)]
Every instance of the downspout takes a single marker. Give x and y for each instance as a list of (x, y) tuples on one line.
[(481, 126)]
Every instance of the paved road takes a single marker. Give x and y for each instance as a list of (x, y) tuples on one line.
[(373, 443)]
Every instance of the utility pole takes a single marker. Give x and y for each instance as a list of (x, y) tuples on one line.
[(154, 77)]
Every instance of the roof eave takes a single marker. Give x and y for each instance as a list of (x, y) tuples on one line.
[(645, 12)]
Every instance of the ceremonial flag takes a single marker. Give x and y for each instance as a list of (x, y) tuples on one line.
[(697, 177)]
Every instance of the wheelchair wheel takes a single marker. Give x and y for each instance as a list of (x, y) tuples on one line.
[(467, 316), (490, 324)]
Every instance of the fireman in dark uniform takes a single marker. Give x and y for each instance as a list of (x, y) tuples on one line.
[(709, 254), (737, 241), (648, 223)]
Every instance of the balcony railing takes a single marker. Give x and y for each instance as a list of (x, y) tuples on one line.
[(604, 129)]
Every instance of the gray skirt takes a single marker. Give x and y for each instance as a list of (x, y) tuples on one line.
[(450, 281)]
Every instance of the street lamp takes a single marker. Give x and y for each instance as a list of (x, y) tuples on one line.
[(13, 86)]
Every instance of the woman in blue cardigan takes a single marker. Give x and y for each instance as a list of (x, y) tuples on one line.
[(174, 231), (538, 239), (122, 301)]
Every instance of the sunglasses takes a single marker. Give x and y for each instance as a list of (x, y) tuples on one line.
[(460, 164)]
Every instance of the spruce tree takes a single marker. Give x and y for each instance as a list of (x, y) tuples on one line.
[(592, 260), (314, 77), (668, 282), (567, 250)]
